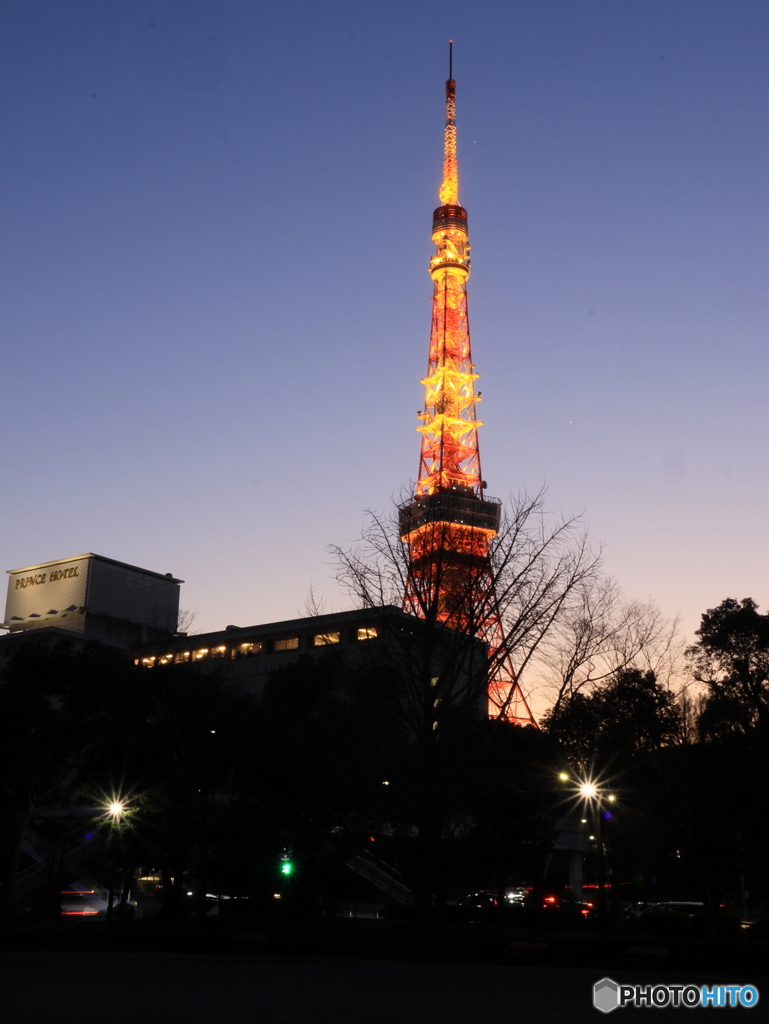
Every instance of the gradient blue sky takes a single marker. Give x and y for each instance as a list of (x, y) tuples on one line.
[(215, 305)]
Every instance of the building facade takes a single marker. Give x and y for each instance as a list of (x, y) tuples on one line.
[(90, 597)]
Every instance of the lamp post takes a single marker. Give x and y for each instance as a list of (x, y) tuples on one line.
[(115, 812), (595, 796)]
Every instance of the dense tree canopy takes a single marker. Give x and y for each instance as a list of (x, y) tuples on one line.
[(731, 658), (630, 714), (389, 752)]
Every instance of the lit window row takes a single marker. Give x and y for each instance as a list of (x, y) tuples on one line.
[(247, 649)]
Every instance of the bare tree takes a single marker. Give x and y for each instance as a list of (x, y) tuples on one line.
[(601, 634), (538, 569), (184, 621), (314, 605), (164, 624), (433, 672), (692, 704)]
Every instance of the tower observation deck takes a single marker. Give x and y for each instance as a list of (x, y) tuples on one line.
[(450, 523)]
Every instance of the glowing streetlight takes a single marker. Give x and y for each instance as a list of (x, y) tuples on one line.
[(114, 812), (595, 795)]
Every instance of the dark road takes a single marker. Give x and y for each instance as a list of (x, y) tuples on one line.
[(150, 989)]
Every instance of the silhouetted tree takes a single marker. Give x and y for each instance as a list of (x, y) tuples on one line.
[(600, 634), (731, 658), (631, 713), (178, 749), (43, 742), (535, 568)]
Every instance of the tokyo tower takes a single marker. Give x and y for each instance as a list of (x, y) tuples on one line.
[(450, 523)]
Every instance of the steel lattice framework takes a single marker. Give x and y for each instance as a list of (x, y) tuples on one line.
[(450, 523)]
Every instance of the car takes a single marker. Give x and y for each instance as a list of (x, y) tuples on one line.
[(82, 903), (687, 907), (479, 900)]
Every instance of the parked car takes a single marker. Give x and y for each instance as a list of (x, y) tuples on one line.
[(82, 903), (688, 907)]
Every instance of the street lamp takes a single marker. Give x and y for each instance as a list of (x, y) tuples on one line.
[(114, 812), (594, 795)]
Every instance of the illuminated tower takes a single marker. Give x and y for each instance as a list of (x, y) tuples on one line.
[(450, 523)]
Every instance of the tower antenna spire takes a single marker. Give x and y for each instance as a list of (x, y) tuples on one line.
[(449, 190), (450, 522)]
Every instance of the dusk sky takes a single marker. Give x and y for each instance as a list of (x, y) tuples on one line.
[(215, 303)]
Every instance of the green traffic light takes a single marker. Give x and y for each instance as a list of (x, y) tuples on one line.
[(286, 868)]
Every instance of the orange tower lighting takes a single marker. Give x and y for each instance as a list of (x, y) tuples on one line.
[(450, 523)]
